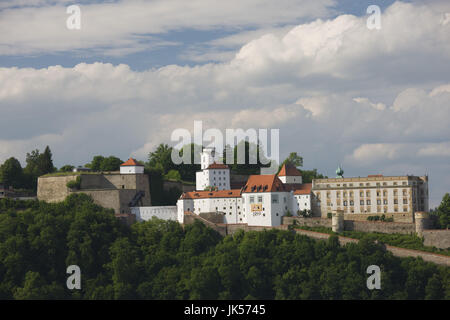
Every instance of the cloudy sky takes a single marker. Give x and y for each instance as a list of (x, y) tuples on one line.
[(375, 101)]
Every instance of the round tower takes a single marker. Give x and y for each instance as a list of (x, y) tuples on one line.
[(421, 219), (337, 221)]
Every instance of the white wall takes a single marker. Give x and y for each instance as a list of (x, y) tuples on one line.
[(131, 169), (146, 213)]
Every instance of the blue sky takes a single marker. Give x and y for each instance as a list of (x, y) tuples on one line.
[(376, 101)]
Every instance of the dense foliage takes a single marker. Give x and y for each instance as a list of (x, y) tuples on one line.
[(161, 260), (441, 215), (37, 164)]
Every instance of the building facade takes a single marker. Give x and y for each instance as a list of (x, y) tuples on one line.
[(372, 195), (214, 176), (262, 201)]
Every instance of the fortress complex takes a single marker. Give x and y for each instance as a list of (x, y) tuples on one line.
[(262, 200), (119, 190), (265, 199)]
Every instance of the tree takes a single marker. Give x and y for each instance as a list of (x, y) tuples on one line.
[(66, 168), (96, 163), (110, 163), (161, 158), (188, 170), (253, 162), (309, 175), (293, 159), (46, 162), (443, 212), (11, 173), (173, 175)]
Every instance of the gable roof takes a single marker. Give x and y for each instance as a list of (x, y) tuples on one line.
[(131, 162), (289, 170), (263, 183), (234, 193), (217, 166), (304, 188)]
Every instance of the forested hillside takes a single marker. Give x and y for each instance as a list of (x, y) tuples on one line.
[(161, 260)]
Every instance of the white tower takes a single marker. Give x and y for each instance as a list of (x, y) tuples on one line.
[(213, 174), (207, 157)]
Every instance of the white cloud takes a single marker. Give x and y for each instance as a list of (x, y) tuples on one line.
[(125, 26), (338, 91)]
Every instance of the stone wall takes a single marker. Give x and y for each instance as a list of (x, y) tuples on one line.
[(191, 217), (54, 189), (351, 225), (308, 222), (437, 238), (378, 226), (213, 217), (398, 217), (167, 185), (111, 190)]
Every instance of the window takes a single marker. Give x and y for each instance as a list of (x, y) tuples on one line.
[(275, 198), (361, 194), (260, 199), (395, 192), (395, 201), (378, 201), (351, 202), (252, 199), (405, 201), (378, 193), (345, 203), (368, 202), (384, 193), (361, 202), (367, 193)]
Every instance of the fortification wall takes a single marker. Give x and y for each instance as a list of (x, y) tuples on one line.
[(308, 222), (398, 217), (378, 226), (167, 185), (437, 238), (54, 189), (112, 190), (109, 199), (352, 225)]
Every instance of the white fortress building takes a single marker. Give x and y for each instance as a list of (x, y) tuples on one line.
[(213, 176), (265, 199)]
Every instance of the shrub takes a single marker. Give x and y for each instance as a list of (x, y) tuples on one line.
[(74, 184)]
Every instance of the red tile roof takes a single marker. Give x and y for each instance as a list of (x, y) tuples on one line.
[(234, 193), (131, 162), (263, 183), (217, 166), (304, 188), (289, 170)]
